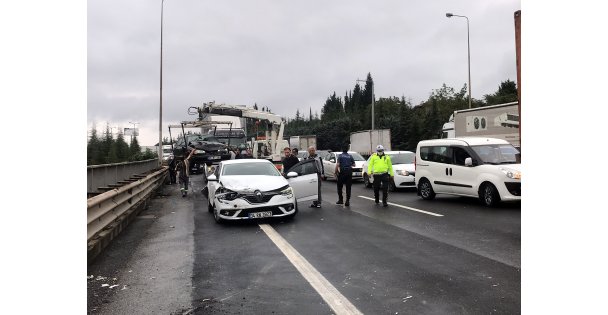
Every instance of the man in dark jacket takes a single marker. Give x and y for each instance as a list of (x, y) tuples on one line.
[(344, 169), (289, 160), (312, 154)]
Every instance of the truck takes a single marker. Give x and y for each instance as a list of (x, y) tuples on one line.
[(495, 121), (268, 146), (366, 141), (302, 142)]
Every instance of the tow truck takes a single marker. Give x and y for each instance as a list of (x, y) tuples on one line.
[(268, 147)]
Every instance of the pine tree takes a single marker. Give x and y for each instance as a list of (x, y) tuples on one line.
[(106, 145), (93, 148), (134, 150), (122, 148)]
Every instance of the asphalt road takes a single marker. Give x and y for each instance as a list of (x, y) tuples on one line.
[(450, 255)]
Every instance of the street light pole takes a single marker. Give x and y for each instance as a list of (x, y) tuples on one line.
[(160, 113), (373, 101), (449, 15)]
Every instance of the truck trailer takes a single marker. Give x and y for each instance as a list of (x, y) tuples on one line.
[(495, 121), (366, 141), (302, 142)]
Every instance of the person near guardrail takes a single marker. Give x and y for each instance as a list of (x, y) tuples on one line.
[(171, 163), (344, 170), (381, 167), (312, 154), (183, 169)]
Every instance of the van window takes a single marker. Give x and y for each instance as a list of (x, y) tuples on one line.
[(435, 154), (460, 154), (497, 154)]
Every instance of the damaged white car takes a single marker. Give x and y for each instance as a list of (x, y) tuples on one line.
[(251, 189)]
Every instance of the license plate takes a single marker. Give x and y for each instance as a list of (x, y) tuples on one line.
[(216, 157), (356, 173), (264, 214)]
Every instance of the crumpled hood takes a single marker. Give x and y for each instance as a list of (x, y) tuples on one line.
[(253, 183)]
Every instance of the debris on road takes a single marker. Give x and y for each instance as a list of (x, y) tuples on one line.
[(105, 285), (113, 286), (124, 287), (100, 278), (90, 277), (172, 226)]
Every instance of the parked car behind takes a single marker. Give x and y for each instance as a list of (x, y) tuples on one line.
[(404, 167), (329, 165), (486, 168), (254, 188)]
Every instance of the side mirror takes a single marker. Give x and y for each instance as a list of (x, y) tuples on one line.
[(212, 178), (468, 162), (292, 174)]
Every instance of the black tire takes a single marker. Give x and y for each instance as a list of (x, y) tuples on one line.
[(366, 181), (209, 206), (489, 195), (391, 185), (425, 189)]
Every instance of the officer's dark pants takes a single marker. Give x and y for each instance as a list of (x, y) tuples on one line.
[(345, 178), (381, 179)]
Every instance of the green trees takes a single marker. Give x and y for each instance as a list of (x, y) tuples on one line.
[(107, 150), (408, 123)]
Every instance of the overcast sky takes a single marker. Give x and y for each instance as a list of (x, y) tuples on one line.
[(287, 55)]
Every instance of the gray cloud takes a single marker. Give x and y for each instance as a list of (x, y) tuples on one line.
[(286, 55)]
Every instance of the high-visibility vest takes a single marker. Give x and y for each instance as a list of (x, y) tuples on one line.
[(380, 164)]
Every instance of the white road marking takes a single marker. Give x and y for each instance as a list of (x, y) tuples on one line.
[(338, 303), (406, 207)]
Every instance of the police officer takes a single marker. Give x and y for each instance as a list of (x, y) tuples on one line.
[(344, 169), (312, 155), (381, 168)]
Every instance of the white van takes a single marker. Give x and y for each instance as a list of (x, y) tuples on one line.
[(487, 168)]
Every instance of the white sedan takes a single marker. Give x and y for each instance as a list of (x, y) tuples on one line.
[(403, 166), (330, 161), (254, 188)]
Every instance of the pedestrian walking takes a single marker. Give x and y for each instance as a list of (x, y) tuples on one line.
[(344, 170), (312, 155), (289, 160), (183, 168), (381, 167)]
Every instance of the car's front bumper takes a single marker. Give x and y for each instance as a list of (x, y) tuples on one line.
[(404, 181), (240, 209)]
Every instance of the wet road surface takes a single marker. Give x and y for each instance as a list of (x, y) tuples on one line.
[(174, 259)]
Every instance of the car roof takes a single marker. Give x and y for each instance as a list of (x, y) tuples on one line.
[(464, 141), (397, 152)]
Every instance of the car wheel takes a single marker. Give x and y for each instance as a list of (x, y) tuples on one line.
[(366, 181), (489, 195), (391, 186), (426, 189)]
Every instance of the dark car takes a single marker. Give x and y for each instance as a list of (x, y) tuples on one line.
[(208, 150)]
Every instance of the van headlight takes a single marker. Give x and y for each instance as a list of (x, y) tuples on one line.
[(287, 192), (511, 173)]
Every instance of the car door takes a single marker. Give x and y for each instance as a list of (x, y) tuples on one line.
[(305, 185), (462, 177), (436, 163), (212, 186), (327, 165)]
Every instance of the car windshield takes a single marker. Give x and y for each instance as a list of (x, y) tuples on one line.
[(356, 156), (251, 169), (497, 154), (402, 158)]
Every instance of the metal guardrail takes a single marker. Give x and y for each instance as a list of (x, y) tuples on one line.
[(108, 174), (105, 208)]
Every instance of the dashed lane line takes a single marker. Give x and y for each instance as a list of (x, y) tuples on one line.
[(406, 207), (338, 303)]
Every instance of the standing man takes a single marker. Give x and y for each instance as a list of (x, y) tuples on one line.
[(312, 155), (183, 167), (172, 179), (289, 160), (344, 169), (381, 168)]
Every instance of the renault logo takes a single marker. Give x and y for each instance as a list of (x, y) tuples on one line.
[(259, 195)]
